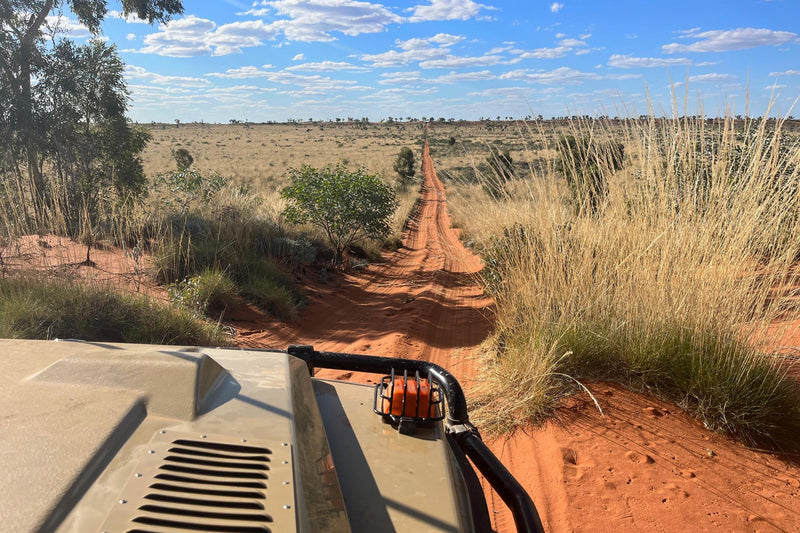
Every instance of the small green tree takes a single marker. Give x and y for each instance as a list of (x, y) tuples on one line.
[(347, 205), (586, 165), (183, 159), (404, 165)]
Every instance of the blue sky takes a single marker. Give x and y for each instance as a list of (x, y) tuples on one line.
[(323, 59)]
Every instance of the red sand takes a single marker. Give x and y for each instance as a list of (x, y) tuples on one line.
[(642, 466)]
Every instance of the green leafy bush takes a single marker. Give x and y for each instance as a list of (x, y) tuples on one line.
[(404, 165), (183, 159), (346, 205)]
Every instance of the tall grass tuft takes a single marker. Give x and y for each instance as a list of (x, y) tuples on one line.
[(669, 284), (33, 308), (232, 236)]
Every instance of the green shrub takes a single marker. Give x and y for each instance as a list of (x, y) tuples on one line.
[(405, 167), (183, 159), (209, 293), (272, 296), (346, 205)]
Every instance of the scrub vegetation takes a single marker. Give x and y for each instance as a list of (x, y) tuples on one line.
[(660, 253)]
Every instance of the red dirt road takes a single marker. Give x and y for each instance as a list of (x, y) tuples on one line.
[(423, 302)]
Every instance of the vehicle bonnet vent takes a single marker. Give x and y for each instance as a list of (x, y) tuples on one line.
[(204, 484)]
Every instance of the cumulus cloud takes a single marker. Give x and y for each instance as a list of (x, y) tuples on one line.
[(626, 61), (572, 43), (726, 40), (714, 77), (308, 84), (458, 77), (315, 20), (559, 76), (451, 61), (415, 50), (299, 57), (416, 78), (555, 7), (193, 36), (67, 27), (131, 36), (130, 19), (243, 72), (401, 78), (565, 46), (546, 53), (446, 10), (326, 66), (133, 72)]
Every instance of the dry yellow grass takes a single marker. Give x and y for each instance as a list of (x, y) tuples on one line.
[(664, 289)]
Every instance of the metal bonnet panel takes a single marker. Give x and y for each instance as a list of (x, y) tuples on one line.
[(196, 482)]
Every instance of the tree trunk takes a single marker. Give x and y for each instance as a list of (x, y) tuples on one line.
[(25, 104)]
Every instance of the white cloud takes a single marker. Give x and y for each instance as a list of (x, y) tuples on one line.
[(555, 7), (130, 19), (67, 27), (458, 77), (546, 53), (626, 61), (299, 57), (572, 43), (193, 36), (726, 40), (415, 78), (622, 76), (786, 73), (415, 50), (712, 78), (242, 72), (133, 72), (326, 66), (462, 62), (559, 76), (401, 78), (309, 84), (131, 36), (314, 20), (565, 46), (231, 38), (446, 10)]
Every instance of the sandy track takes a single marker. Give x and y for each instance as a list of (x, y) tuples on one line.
[(642, 466), (423, 302)]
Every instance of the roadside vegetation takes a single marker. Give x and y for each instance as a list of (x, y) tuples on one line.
[(71, 164), (32, 308), (656, 253)]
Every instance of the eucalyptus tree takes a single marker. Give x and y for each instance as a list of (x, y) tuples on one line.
[(48, 83)]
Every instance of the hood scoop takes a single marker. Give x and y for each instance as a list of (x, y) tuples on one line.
[(190, 482)]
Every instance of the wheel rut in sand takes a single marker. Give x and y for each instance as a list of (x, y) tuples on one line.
[(423, 302)]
